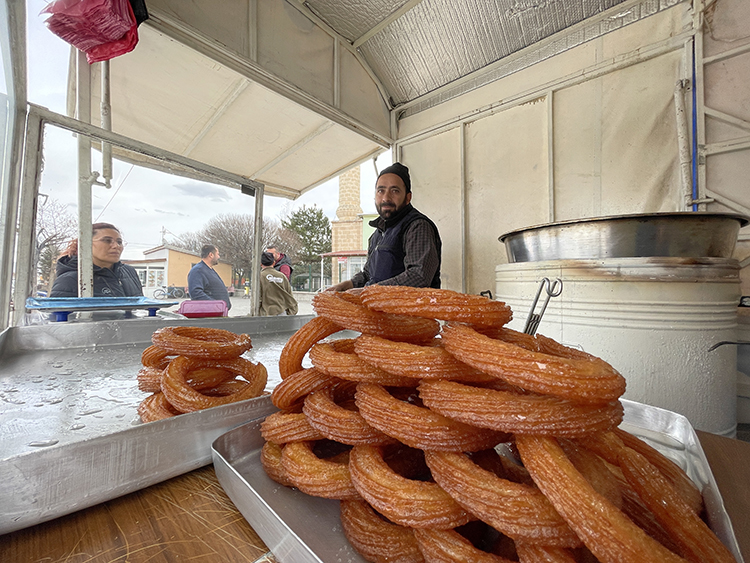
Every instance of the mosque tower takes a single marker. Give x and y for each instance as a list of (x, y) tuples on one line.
[(346, 229)]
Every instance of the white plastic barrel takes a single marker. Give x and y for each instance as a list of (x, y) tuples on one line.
[(653, 319)]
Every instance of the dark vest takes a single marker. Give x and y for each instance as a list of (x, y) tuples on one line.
[(386, 249)]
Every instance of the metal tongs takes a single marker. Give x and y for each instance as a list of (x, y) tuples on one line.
[(553, 289)]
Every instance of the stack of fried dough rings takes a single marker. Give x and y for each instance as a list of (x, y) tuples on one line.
[(448, 437), (192, 368)]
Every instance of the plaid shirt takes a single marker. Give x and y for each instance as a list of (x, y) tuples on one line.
[(421, 258)]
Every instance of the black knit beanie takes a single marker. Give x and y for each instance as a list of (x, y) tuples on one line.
[(399, 170), (266, 259)]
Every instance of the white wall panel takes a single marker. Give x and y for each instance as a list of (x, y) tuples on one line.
[(616, 143), (435, 168), (507, 184)]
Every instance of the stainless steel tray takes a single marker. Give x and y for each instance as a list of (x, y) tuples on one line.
[(299, 528), (70, 434)]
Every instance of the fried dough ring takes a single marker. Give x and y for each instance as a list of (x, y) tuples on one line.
[(407, 502), (201, 342), (355, 317), (300, 343), (519, 414), (412, 360), (351, 367), (149, 379), (443, 304), (284, 427), (340, 424), (375, 538), (448, 546), (156, 407), (293, 390), (557, 371), (155, 357), (606, 531), (673, 473), (175, 387), (519, 511), (695, 540), (419, 427), (534, 553), (315, 476), (270, 459)]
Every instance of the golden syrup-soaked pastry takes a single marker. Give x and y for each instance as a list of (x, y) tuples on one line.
[(430, 361), (408, 502), (355, 317), (351, 367), (315, 476), (299, 344), (270, 459), (283, 427), (519, 511), (518, 413), (419, 427), (336, 422), (448, 546), (293, 390), (610, 535), (443, 304), (186, 399), (558, 371), (376, 538), (201, 342), (156, 407)]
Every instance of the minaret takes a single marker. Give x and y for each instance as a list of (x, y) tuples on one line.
[(346, 229)]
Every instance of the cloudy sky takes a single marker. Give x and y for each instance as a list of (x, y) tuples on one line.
[(142, 202)]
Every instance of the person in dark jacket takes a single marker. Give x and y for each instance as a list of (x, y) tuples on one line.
[(281, 262), (204, 283), (405, 248), (112, 278)]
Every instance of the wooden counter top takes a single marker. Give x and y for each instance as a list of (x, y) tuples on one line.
[(190, 518)]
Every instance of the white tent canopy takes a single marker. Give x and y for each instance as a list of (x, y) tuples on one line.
[(291, 94)]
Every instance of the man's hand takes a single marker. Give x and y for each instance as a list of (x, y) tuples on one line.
[(343, 286)]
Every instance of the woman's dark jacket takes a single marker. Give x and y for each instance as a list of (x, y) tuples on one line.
[(120, 281)]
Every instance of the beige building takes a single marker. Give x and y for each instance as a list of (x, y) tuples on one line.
[(168, 265)]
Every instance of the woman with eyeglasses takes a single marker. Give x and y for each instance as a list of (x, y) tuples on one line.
[(112, 278)]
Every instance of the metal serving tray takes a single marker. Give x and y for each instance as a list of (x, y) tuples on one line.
[(70, 435), (299, 528)]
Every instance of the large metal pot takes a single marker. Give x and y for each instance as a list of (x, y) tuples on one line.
[(686, 235)]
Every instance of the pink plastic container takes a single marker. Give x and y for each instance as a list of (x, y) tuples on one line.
[(199, 309)]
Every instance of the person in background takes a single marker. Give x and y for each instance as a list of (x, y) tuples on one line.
[(112, 278), (275, 290), (405, 248), (204, 283), (281, 262)]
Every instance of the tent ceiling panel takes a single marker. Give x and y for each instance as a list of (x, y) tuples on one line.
[(315, 161), (229, 21), (439, 41), (295, 49), (244, 84)]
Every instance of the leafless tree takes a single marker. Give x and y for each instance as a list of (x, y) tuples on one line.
[(233, 234), (56, 226)]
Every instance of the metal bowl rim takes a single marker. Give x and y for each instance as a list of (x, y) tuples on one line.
[(743, 220)]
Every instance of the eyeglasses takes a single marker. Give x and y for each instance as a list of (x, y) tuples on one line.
[(109, 241)]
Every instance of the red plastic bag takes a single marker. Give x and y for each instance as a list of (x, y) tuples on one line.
[(102, 28)]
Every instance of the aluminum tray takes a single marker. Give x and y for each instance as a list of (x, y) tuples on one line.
[(70, 433), (299, 528)]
